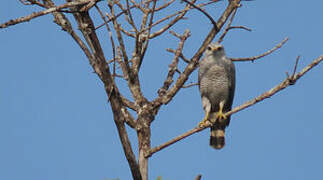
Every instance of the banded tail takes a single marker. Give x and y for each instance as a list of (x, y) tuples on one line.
[(217, 139)]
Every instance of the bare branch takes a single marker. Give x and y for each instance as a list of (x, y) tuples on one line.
[(240, 27), (116, 16), (41, 13), (190, 85), (287, 82), (181, 55), (131, 21), (129, 104), (226, 30), (205, 13), (229, 27), (89, 5), (295, 67), (128, 118), (142, 40), (127, 68), (128, 14), (100, 66), (172, 15), (164, 5), (131, 158), (173, 66), (195, 59), (111, 39), (262, 55), (32, 2), (174, 21), (61, 20)]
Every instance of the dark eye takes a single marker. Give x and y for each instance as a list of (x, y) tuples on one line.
[(220, 48), (209, 48)]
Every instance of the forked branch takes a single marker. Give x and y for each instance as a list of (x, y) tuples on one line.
[(167, 97)]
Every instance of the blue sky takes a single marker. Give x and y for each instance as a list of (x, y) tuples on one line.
[(56, 123)]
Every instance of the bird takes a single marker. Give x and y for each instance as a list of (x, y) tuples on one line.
[(216, 80)]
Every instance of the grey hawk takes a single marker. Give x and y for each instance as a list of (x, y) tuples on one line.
[(216, 78)]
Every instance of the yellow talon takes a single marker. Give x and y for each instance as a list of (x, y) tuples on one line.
[(220, 115), (205, 119)]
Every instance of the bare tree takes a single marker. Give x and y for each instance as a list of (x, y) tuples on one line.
[(125, 60)]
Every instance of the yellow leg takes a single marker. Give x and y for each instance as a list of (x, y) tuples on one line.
[(220, 115), (205, 119)]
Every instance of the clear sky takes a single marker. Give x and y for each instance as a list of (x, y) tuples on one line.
[(56, 123)]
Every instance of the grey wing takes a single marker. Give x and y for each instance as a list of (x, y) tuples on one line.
[(231, 73), (199, 77), (201, 73)]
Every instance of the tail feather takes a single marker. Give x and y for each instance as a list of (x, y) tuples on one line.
[(217, 139)]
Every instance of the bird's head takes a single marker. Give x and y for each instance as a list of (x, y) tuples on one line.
[(215, 50)]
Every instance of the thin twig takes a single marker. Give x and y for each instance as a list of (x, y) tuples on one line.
[(174, 14), (111, 39), (173, 66), (262, 55), (295, 67), (226, 30), (174, 21), (240, 27), (165, 5), (32, 2), (128, 14), (142, 39), (89, 5), (205, 13), (181, 55), (132, 22), (190, 85), (127, 73), (287, 82), (41, 13), (116, 16)]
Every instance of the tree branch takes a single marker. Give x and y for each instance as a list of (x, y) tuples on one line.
[(205, 13), (116, 16), (226, 30), (132, 78), (195, 59), (170, 16), (262, 55), (32, 2), (174, 21), (41, 13), (111, 39), (173, 66), (181, 55), (290, 80), (101, 68), (165, 5), (142, 40)]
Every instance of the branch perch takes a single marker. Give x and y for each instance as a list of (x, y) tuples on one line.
[(290, 80)]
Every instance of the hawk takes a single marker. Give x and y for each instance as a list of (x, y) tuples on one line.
[(216, 78)]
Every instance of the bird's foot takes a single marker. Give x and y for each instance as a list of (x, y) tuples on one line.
[(220, 115), (204, 121)]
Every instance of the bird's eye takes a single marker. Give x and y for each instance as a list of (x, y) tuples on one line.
[(220, 48), (209, 48)]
